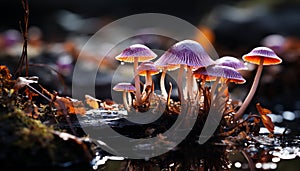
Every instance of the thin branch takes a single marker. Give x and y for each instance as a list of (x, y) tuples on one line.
[(24, 31)]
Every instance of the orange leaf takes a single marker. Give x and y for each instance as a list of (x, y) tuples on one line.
[(92, 102), (261, 110), (266, 120), (66, 105)]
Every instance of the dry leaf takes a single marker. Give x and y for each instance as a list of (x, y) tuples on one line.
[(66, 105), (92, 102), (69, 105), (261, 110), (268, 123), (266, 120), (4, 72)]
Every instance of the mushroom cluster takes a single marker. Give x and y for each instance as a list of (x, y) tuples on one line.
[(205, 78)]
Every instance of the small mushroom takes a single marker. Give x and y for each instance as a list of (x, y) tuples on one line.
[(225, 73), (136, 53), (125, 88), (231, 62), (189, 54), (259, 56), (164, 63), (147, 69), (228, 74)]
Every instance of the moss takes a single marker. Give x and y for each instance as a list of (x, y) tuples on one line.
[(28, 142)]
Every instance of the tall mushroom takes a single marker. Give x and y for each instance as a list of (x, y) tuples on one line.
[(259, 56), (189, 54), (125, 88), (136, 53)]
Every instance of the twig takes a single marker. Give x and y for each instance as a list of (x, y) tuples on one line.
[(35, 90), (24, 31)]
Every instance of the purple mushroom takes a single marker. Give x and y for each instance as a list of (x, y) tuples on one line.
[(225, 73), (189, 54), (136, 53), (231, 62), (147, 69), (228, 74), (259, 56), (125, 88)]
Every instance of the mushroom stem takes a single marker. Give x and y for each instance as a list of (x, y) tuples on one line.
[(148, 79), (129, 99), (125, 101), (137, 82), (162, 84), (189, 83), (214, 87), (250, 95), (180, 73)]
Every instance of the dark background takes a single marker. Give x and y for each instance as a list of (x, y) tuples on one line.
[(232, 37)]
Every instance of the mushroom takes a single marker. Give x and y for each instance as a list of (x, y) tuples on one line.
[(136, 53), (259, 56), (125, 88), (189, 54), (147, 69), (164, 63), (225, 73), (231, 62)]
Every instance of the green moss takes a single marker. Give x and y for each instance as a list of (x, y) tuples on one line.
[(28, 142)]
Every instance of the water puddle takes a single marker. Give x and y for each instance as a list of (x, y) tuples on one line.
[(252, 152)]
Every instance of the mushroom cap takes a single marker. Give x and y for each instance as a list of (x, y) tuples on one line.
[(165, 63), (142, 52), (231, 62), (190, 53), (124, 87), (221, 71), (270, 57), (204, 77), (147, 67), (274, 41)]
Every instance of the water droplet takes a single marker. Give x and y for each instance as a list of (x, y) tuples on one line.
[(288, 115), (258, 165), (238, 164), (275, 159)]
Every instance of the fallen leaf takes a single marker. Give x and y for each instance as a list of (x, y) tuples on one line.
[(261, 110), (92, 102), (266, 120)]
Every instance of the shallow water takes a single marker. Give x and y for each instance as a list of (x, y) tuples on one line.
[(280, 152)]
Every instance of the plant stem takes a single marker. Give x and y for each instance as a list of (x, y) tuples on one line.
[(250, 95)]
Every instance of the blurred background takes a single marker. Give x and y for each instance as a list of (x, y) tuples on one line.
[(59, 29)]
